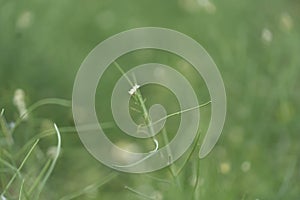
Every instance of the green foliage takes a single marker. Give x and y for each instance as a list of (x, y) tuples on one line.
[(255, 45)]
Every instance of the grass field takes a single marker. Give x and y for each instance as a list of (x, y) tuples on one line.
[(255, 45)]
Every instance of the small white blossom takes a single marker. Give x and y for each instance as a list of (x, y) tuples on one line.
[(266, 35), (246, 166), (24, 20), (133, 90), (19, 102), (11, 125)]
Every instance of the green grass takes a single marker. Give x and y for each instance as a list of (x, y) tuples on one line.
[(43, 43)]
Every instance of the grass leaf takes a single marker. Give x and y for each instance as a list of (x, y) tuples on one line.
[(43, 182), (20, 167)]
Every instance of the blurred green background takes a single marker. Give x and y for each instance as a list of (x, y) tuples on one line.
[(256, 46)]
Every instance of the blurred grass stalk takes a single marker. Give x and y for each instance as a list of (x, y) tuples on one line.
[(138, 97), (39, 183), (41, 180)]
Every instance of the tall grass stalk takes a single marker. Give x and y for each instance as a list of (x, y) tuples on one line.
[(21, 189), (175, 173), (48, 173)]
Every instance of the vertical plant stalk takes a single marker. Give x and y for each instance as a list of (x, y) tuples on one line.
[(147, 118), (143, 106), (149, 124), (21, 189), (171, 166), (43, 182), (197, 179)]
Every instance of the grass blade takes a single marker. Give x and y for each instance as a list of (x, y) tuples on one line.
[(49, 101), (43, 182), (8, 165), (19, 169), (21, 189), (38, 179)]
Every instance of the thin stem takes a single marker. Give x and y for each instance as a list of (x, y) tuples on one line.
[(145, 112), (143, 106), (182, 111), (54, 101), (21, 189), (171, 166), (197, 178), (190, 155), (123, 73), (52, 164)]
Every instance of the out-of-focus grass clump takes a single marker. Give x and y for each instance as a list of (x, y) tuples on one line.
[(255, 44)]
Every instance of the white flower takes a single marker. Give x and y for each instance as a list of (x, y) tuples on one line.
[(246, 166), (24, 20), (19, 102), (11, 125), (266, 35), (133, 90)]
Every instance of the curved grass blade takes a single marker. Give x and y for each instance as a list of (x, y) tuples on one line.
[(43, 182)]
